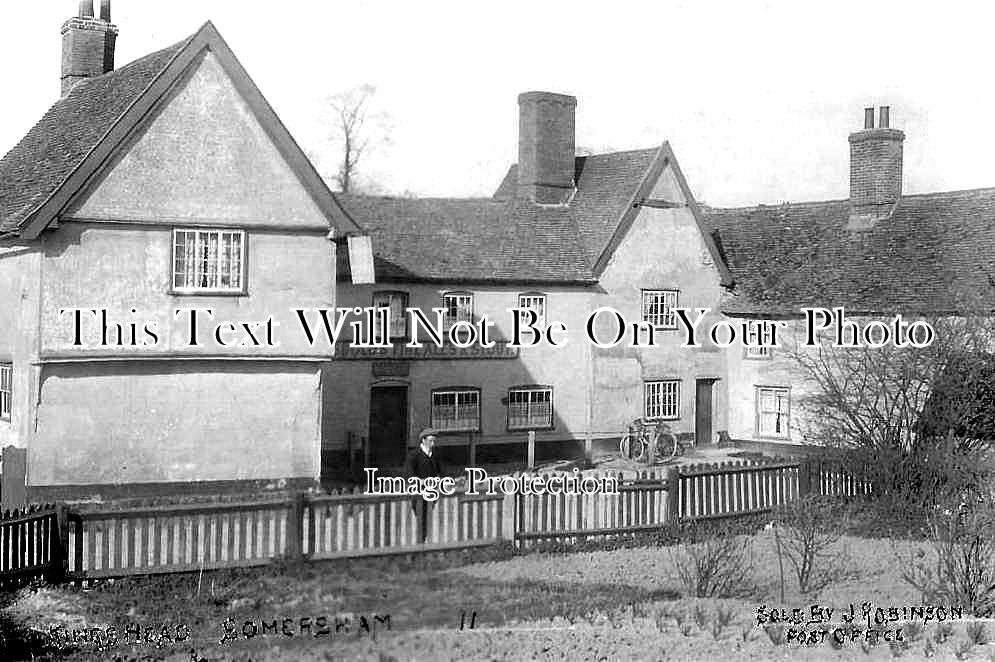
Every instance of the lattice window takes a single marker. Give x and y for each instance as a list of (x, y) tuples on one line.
[(397, 302), (773, 412), (530, 408), (662, 399), (208, 260), (459, 307), (658, 308), (456, 410), (6, 389), (757, 333), (535, 302)]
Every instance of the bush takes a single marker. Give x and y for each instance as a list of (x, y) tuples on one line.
[(930, 472), (960, 565), (806, 530), (713, 564)]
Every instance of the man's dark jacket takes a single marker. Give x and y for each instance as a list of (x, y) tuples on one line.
[(420, 465)]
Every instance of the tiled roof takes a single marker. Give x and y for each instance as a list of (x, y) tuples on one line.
[(467, 239), (504, 237), (933, 253), (72, 127), (605, 184)]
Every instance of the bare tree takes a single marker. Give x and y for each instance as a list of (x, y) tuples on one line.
[(917, 420), (356, 131)]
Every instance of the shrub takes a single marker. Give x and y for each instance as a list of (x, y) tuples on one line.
[(806, 529), (775, 633), (977, 633), (959, 567), (715, 565)]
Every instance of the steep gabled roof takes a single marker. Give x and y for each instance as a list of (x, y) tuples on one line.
[(80, 132), (932, 251), (71, 128), (509, 238)]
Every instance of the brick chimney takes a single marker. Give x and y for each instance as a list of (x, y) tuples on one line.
[(87, 44), (875, 166), (546, 147)]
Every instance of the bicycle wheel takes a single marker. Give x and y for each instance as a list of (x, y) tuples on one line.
[(631, 447), (639, 448), (667, 446)]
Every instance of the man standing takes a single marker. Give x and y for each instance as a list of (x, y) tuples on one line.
[(422, 463)]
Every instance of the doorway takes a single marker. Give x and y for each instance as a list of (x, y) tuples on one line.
[(703, 411), (388, 425)]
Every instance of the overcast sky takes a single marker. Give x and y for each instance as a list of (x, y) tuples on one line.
[(756, 98)]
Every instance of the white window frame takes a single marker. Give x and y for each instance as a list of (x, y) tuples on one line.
[(781, 417), (6, 390), (657, 308), (397, 302), (465, 399), (206, 266), (537, 404), (462, 303), (534, 301), (662, 399), (751, 351)]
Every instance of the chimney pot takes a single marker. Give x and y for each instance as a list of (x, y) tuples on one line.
[(868, 118), (87, 45), (875, 166)]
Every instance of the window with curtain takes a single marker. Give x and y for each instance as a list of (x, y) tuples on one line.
[(208, 260)]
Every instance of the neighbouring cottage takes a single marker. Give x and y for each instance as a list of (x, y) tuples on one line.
[(166, 184), (562, 236), (876, 254)]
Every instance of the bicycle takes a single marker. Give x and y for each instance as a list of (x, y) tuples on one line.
[(649, 442)]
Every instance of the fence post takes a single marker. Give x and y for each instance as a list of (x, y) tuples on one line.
[(508, 517), (59, 560), (78, 568), (295, 527), (673, 495), (804, 478), (532, 450), (350, 453)]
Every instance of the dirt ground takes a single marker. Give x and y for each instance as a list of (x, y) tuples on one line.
[(623, 604)]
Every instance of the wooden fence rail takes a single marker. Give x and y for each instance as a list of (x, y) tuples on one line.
[(164, 539)]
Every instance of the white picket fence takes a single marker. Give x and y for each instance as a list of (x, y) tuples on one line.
[(350, 524)]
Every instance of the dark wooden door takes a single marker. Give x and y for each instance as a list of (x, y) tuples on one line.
[(388, 425), (703, 412)]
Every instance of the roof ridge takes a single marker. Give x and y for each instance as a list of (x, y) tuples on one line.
[(759, 206), (619, 151), (514, 164), (962, 191), (362, 196), (816, 203)]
